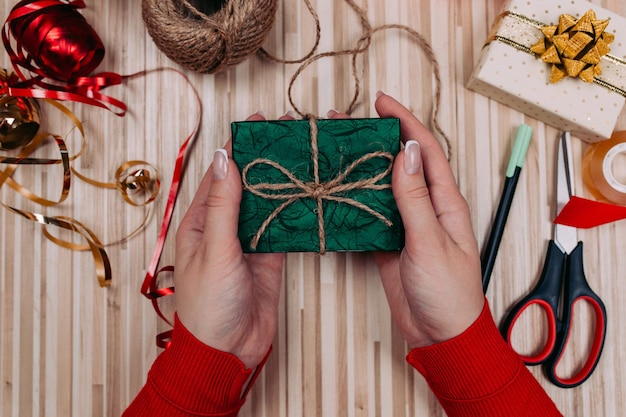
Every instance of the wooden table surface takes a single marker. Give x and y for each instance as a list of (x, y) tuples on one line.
[(71, 348)]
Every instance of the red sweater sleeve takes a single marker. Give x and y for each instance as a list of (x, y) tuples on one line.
[(478, 374), (192, 379)]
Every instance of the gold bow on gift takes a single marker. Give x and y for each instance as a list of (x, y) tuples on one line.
[(575, 47)]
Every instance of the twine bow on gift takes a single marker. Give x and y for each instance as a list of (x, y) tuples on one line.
[(315, 189)]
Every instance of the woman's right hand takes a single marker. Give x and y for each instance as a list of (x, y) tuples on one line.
[(434, 285)]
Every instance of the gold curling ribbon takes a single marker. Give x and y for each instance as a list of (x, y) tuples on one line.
[(100, 257), (129, 181), (101, 260), (126, 182), (136, 182), (132, 178), (577, 48), (23, 159)]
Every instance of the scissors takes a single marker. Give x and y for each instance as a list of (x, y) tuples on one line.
[(562, 283)]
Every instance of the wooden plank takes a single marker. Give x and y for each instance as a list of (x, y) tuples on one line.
[(68, 347)]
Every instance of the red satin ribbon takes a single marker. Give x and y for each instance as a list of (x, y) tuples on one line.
[(150, 288), (41, 28), (41, 31), (584, 214), (59, 48)]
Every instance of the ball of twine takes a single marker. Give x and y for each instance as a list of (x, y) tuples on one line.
[(209, 42)]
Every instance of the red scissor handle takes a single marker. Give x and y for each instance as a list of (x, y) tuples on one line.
[(596, 348), (545, 295), (575, 289), (550, 315)]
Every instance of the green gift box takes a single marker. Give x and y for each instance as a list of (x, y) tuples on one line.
[(317, 185)]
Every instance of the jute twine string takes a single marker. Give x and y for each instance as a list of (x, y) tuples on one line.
[(361, 47), (315, 189), (209, 43), (330, 190)]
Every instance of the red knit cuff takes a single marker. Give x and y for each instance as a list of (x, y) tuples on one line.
[(474, 354), (197, 378), (478, 374)]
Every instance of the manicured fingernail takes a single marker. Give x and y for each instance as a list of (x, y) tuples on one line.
[(379, 93), (292, 114), (220, 164), (412, 157), (261, 113), (331, 113)]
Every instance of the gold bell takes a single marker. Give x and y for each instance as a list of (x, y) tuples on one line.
[(19, 116)]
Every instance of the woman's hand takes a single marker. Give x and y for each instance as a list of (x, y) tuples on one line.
[(434, 285), (226, 299)]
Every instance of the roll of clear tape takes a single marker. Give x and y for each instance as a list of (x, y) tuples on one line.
[(599, 170)]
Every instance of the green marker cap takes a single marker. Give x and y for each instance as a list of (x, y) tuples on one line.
[(520, 147)]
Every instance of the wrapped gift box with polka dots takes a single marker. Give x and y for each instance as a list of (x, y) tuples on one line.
[(562, 62)]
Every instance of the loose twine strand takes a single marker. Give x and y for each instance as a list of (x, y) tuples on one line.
[(362, 46), (315, 189), (329, 190), (211, 43), (214, 41)]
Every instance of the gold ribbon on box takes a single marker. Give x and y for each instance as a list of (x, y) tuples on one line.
[(577, 48)]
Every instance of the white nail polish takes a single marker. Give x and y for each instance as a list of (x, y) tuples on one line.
[(220, 164), (412, 157), (292, 114)]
